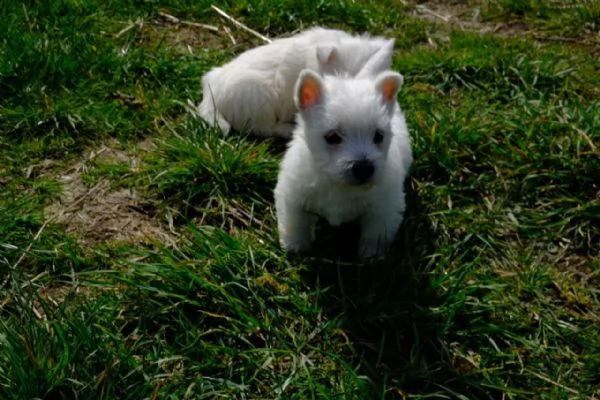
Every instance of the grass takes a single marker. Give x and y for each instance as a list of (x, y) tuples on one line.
[(490, 292)]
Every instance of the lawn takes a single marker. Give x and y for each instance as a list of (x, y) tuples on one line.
[(138, 247)]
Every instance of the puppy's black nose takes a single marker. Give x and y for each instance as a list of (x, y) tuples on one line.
[(363, 170)]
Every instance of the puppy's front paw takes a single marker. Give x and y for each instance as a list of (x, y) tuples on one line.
[(295, 244), (296, 227), (369, 250)]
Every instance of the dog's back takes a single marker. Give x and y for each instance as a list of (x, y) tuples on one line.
[(255, 90)]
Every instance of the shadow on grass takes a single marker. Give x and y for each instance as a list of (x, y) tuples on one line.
[(391, 310)]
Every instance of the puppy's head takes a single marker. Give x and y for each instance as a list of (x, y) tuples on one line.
[(350, 55), (346, 124)]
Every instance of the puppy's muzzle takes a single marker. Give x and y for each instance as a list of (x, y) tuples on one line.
[(362, 171)]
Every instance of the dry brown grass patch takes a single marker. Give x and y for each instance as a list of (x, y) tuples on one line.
[(100, 214)]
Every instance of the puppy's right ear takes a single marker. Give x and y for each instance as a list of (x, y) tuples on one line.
[(309, 90), (326, 54)]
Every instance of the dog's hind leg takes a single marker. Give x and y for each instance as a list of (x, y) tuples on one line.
[(284, 130)]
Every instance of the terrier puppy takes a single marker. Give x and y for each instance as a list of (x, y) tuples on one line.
[(347, 160), (255, 90)]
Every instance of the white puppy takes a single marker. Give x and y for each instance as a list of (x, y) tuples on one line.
[(347, 160), (255, 90)]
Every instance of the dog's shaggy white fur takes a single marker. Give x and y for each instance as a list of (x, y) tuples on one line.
[(347, 160), (255, 90)]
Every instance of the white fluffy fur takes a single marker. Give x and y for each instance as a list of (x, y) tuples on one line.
[(315, 179), (255, 90)]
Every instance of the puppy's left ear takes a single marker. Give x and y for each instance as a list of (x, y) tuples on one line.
[(326, 54), (388, 84)]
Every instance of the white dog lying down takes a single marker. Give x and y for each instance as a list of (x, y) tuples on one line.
[(348, 159), (255, 91)]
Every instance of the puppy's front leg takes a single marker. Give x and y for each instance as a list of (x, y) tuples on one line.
[(378, 230), (296, 227)]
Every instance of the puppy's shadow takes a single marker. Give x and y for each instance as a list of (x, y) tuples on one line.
[(388, 308)]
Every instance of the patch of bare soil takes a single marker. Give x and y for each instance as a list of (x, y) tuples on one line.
[(185, 38), (188, 36), (99, 214), (465, 16)]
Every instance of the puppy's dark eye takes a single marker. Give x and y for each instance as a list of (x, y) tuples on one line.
[(333, 137), (378, 136)]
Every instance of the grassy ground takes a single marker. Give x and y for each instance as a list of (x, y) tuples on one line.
[(138, 249)]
